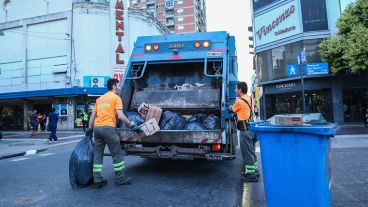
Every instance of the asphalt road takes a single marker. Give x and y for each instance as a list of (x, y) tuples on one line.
[(43, 180)]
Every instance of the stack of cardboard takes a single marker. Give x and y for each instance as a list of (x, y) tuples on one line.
[(152, 115), (149, 127), (289, 120)]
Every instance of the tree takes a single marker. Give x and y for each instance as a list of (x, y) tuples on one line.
[(347, 51)]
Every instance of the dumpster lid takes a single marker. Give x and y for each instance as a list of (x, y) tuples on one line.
[(319, 129)]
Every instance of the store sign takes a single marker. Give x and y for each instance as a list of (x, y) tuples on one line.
[(277, 24), (119, 73), (286, 86), (314, 14)]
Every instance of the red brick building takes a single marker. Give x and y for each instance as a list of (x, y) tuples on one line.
[(179, 16)]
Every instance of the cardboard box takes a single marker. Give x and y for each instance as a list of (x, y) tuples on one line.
[(153, 112), (289, 120), (143, 110), (149, 127)]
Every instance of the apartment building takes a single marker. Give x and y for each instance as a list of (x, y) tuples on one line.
[(179, 16)]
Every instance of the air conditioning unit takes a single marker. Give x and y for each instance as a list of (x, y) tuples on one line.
[(97, 82)]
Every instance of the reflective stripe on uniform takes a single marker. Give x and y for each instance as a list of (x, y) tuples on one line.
[(119, 166), (97, 167), (103, 106), (250, 168)]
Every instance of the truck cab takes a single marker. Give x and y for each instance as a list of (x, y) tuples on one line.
[(189, 74)]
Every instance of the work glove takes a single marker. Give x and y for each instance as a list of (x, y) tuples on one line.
[(89, 132), (134, 127)]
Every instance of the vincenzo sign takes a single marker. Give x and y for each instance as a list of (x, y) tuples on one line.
[(277, 24)]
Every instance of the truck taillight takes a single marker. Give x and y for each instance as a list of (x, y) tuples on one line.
[(148, 47), (206, 44), (197, 44), (216, 147), (156, 47)]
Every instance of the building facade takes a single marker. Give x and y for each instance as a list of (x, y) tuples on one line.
[(61, 53), (179, 16), (287, 33)]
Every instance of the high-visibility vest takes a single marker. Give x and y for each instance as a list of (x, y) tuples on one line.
[(85, 117)]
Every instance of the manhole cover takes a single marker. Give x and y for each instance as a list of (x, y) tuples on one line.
[(30, 200), (21, 144)]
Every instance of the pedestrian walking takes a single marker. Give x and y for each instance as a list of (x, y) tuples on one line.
[(33, 119), (53, 120), (244, 109), (85, 119), (39, 120), (106, 108)]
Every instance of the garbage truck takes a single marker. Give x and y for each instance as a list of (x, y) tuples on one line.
[(193, 73)]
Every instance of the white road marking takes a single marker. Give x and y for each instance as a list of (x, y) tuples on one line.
[(36, 139), (46, 154), (20, 159), (30, 152), (63, 143)]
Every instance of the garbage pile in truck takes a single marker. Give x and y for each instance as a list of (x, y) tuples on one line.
[(151, 119)]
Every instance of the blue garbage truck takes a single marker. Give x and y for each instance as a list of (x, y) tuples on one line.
[(189, 74)]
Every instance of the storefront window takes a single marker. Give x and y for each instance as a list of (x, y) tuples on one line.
[(271, 64), (11, 117), (319, 101), (355, 102)]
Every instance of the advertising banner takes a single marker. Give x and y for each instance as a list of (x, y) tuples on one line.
[(314, 15), (277, 24)]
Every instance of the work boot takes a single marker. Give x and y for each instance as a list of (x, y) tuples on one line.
[(250, 177), (100, 184), (124, 181)]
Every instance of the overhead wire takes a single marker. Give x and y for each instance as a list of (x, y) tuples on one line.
[(37, 36)]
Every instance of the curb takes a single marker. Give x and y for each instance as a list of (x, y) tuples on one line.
[(22, 153)]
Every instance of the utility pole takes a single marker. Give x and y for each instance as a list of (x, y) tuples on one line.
[(301, 60)]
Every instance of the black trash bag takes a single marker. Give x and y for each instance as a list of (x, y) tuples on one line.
[(194, 126), (172, 121), (212, 122), (197, 118), (132, 116), (81, 163)]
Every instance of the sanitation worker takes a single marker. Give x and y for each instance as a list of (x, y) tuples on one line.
[(244, 109), (107, 107)]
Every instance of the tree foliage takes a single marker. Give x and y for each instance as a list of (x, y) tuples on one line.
[(347, 51)]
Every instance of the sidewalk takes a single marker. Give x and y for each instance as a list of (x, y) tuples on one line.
[(20, 144), (349, 174)]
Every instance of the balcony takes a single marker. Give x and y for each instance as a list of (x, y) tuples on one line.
[(170, 23), (169, 15), (150, 2)]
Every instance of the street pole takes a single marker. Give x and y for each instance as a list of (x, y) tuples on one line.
[(302, 81)]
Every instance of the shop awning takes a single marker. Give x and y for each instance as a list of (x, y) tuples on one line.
[(53, 93)]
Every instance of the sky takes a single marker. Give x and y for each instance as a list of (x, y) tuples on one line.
[(234, 17)]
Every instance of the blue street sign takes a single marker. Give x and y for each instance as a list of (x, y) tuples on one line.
[(292, 70), (316, 68)]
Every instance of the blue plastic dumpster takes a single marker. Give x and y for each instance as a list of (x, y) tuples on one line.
[(296, 163)]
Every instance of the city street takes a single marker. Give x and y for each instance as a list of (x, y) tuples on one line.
[(43, 180)]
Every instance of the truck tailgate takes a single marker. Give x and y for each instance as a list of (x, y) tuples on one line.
[(172, 136)]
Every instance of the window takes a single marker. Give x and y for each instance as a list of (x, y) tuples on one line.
[(271, 64), (159, 14), (180, 27), (180, 19), (169, 3), (180, 11)]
